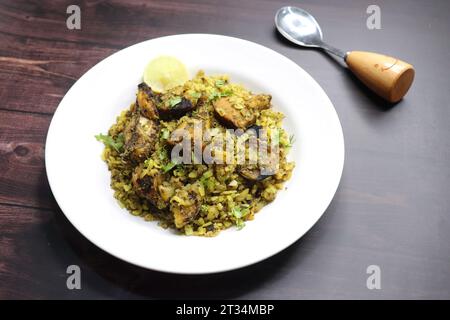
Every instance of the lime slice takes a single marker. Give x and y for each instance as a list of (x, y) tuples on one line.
[(164, 73)]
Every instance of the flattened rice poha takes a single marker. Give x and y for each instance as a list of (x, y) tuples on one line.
[(199, 197)]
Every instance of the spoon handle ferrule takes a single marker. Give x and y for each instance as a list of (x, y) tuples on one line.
[(333, 50)]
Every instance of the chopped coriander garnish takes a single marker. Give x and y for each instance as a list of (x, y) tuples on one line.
[(147, 162), (169, 166), (239, 213), (213, 95), (226, 93), (165, 133), (179, 170), (174, 101), (196, 95), (216, 94), (236, 212), (240, 224), (203, 180), (220, 82), (120, 141), (109, 141), (162, 154), (291, 139)]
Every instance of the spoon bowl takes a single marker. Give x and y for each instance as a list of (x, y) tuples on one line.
[(298, 26)]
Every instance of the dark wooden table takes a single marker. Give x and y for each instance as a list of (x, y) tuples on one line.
[(393, 205)]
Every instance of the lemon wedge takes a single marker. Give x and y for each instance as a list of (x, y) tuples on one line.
[(164, 73)]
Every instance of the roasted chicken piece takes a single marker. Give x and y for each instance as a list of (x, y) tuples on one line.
[(149, 187), (258, 172), (251, 173), (174, 108), (260, 102), (146, 101), (241, 118), (140, 135), (185, 204), (233, 117)]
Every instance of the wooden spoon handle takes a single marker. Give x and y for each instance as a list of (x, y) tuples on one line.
[(388, 77)]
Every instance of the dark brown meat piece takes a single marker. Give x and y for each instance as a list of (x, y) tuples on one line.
[(146, 101), (140, 135), (251, 173), (149, 187), (233, 117), (168, 112), (185, 212), (254, 173)]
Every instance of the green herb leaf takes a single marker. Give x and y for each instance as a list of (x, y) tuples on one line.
[(236, 212), (147, 162), (203, 181), (174, 101), (169, 166), (291, 139), (179, 170), (120, 140), (220, 82), (226, 93), (213, 95), (110, 142), (196, 95), (216, 94), (162, 154), (240, 213), (165, 133), (240, 224), (210, 183)]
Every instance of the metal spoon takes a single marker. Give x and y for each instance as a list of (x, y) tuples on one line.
[(387, 76)]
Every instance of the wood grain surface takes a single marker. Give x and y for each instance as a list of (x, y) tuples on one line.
[(393, 205)]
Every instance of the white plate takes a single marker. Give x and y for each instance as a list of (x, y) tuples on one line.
[(80, 180)]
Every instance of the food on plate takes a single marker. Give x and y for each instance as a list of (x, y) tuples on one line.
[(211, 187)]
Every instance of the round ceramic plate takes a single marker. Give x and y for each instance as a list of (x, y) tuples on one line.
[(80, 180)]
